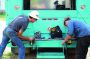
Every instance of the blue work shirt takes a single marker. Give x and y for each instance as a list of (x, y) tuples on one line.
[(20, 22), (78, 28)]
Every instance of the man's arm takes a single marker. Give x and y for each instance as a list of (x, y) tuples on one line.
[(22, 37), (66, 39), (70, 27)]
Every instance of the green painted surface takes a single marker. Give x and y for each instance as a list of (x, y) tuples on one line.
[(49, 43), (83, 15), (42, 43), (42, 25), (51, 55)]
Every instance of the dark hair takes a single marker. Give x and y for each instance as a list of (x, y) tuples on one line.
[(32, 17), (66, 19)]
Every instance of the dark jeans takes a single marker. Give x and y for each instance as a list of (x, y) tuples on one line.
[(8, 34), (82, 47)]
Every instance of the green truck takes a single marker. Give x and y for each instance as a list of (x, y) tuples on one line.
[(52, 13)]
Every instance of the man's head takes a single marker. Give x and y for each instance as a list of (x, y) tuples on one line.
[(33, 16), (66, 21)]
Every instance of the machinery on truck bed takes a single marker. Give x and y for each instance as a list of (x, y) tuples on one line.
[(52, 13)]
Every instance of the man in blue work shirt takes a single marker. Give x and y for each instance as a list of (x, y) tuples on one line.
[(82, 33), (14, 32)]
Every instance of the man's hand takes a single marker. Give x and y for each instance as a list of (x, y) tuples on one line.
[(31, 39), (66, 39), (22, 37), (63, 42)]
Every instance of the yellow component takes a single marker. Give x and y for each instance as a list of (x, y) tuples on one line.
[(69, 42), (53, 29)]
